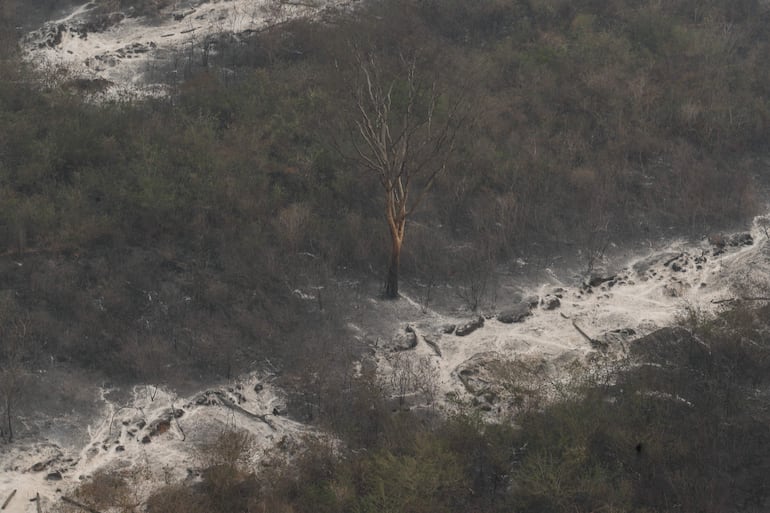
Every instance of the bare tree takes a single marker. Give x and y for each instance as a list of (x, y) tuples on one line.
[(475, 276), (403, 131), (412, 375)]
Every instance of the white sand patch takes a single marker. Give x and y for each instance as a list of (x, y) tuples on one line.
[(125, 53), (143, 437)]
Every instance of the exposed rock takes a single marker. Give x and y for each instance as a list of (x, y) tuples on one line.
[(203, 400), (646, 264), (551, 302), (673, 259), (209, 398), (481, 376), (740, 239), (448, 329), (474, 373), (717, 240), (120, 448), (40, 466), (617, 337), (596, 279), (470, 327), (674, 289), (159, 427), (163, 422), (146, 439), (404, 341), (180, 15), (721, 242), (531, 300), (54, 476), (516, 314)]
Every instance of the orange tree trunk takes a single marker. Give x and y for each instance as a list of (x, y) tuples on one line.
[(391, 281)]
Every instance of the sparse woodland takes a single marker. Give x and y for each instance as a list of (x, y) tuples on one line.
[(163, 240)]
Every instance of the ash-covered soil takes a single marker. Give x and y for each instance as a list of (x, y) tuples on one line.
[(432, 353), (148, 434), (548, 326), (129, 53)]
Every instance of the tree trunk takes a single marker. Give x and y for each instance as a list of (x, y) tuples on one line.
[(391, 282), (8, 417)]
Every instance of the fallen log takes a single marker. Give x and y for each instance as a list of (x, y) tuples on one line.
[(596, 344), (433, 345), (8, 500), (229, 404), (667, 262), (583, 333), (732, 299), (176, 420)]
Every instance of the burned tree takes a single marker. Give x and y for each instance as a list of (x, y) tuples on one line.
[(402, 130)]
